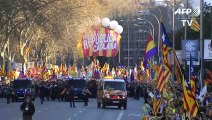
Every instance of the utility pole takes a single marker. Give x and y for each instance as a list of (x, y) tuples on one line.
[(173, 26), (201, 41), (128, 46), (173, 40), (211, 24), (186, 16)]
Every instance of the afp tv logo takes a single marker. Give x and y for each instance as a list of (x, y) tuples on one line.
[(189, 12)]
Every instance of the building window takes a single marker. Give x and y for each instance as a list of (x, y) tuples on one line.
[(125, 53), (141, 53)]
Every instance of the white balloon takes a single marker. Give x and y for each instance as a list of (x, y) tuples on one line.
[(113, 24), (119, 29), (105, 22)]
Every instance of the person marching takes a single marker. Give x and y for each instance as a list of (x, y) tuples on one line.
[(8, 94), (71, 94), (42, 93), (85, 93), (28, 109)]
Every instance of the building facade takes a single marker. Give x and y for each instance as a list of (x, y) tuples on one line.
[(137, 44)]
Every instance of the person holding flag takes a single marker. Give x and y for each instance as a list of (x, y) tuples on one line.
[(192, 78)]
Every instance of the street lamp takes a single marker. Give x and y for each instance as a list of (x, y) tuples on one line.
[(140, 30), (145, 12), (150, 4), (128, 43), (153, 29), (146, 31)]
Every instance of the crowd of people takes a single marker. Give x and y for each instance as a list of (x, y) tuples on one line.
[(171, 106), (49, 90)]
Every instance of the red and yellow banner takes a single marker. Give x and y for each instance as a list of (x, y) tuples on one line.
[(101, 42)]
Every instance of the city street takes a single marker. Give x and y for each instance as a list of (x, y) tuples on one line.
[(56, 51), (55, 110)]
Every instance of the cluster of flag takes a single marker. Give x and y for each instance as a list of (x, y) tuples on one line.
[(42, 73), (4, 71), (163, 73)]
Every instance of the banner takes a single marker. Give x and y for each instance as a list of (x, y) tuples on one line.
[(100, 42), (12, 65), (190, 47), (31, 64), (40, 62), (48, 66), (18, 66), (207, 49)]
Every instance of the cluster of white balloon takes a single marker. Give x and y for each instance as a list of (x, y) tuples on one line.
[(112, 24)]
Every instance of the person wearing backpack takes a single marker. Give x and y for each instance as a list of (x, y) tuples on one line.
[(28, 109)]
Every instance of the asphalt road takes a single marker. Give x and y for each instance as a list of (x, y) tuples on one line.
[(55, 110)]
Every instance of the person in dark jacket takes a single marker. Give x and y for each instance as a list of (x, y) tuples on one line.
[(138, 88), (47, 91), (53, 92), (8, 94), (28, 109), (85, 93), (71, 95), (42, 91)]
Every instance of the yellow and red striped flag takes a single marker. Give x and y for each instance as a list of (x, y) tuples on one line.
[(163, 76), (178, 72), (192, 78), (160, 75), (166, 47), (185, 96), (43, 72), (156, 105), (193, 85), (195, 25), (189, 101), (208, 79)]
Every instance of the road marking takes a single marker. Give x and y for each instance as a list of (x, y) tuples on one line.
[(120, 115), (69, 118), (136, 115), (75, 115), (80, 111)]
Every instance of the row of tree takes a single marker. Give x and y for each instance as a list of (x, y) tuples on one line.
[(31, 30)]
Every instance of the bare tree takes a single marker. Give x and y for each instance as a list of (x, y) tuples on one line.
[(25, 26)]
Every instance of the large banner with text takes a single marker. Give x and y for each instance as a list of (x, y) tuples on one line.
[(100, 42)]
